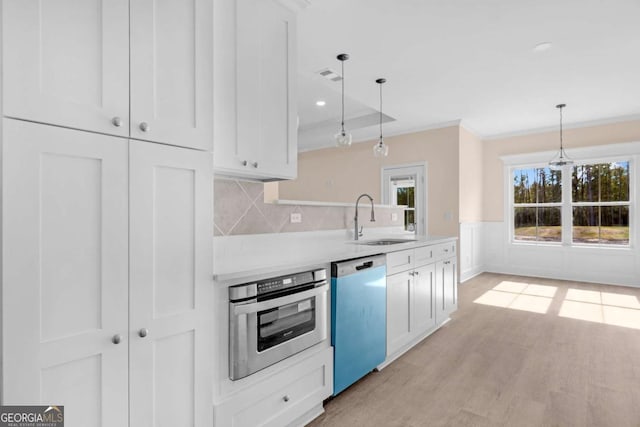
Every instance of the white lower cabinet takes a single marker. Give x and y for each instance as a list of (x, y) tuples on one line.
[(421, 294), (399, 291), (410, 306), (446, 288), (107, 280), (288, 397), (424, 315)]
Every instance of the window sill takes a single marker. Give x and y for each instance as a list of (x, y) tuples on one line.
[(581, 248)]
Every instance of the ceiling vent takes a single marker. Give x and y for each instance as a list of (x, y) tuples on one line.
[(329, 74)]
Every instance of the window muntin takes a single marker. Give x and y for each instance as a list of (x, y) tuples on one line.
[(600, 203), (537, 203)]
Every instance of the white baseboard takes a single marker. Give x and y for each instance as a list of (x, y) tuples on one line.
[(470, 274)]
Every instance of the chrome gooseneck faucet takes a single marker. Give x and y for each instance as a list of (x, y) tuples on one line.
[(357, 234)]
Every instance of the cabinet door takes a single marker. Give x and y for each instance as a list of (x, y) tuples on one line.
[(266, 100), (424, 316), (66, 62), (446, 289), (450, 276), (171, 72), (171, 285), (65, 279), (399, 296)]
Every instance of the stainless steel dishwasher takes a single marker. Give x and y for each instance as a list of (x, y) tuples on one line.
[(358, 318)]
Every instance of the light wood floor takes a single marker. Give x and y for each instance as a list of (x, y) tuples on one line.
[(493, 366)]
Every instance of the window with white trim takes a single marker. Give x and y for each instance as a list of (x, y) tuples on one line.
[(594, 212), (537, 204), (600, 203)]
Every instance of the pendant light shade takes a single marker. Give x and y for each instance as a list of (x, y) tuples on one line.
[(342, 138), (561, 159), (381, 149)]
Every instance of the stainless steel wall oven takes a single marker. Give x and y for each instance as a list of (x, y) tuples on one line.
[(272, 319)]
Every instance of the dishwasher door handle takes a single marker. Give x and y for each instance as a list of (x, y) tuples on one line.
[(364, 265)]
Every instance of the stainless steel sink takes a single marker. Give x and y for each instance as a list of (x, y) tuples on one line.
[(384, 242)]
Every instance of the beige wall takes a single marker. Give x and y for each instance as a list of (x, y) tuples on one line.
[(341, 174), (471, 177), (493, 194)]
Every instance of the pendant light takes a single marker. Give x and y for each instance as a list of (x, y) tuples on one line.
[(381, 149), (343, 139), (561, 159)]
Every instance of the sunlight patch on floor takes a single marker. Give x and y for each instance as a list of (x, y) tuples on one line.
[(581, 311), (602, 307), (584, 296), (519, 296), (581, 304)]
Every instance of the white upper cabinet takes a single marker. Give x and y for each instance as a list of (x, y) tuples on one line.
[(254, 89), (171, 72), (140, 69), (66, 62)]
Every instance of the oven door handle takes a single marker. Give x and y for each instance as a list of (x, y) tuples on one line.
[(278, 302)]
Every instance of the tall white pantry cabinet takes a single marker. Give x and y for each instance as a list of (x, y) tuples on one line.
[(107, 210)]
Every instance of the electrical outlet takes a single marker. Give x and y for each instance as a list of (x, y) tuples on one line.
[(296, 217), (394, 216)]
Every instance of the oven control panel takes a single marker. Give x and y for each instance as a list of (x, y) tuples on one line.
[(284, 282), (275, 284)]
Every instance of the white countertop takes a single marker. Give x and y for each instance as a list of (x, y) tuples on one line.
[(244, 258)]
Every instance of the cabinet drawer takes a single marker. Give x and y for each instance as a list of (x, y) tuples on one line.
[(424, 255), (444, 250), (400, 261), (282, 398)]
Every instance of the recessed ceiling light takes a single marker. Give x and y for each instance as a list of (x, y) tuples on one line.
[(321, 103), (541, 47)]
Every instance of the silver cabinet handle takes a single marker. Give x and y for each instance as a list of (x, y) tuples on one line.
[(116, 339), (254, 164), (417, 273), (143, 332), (144, 126), (285, 398), (116, 121), (245, 163)]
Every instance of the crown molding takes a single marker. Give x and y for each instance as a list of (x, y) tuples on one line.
[(578, 125)]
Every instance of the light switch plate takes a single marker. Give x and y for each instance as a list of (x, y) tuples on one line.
[(296, 217)]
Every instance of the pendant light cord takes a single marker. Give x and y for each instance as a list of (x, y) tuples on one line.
[(342, 61), (561, 148), (380, 113)]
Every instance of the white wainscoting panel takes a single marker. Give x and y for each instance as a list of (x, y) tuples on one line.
[(615, 266), (471, 250)]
